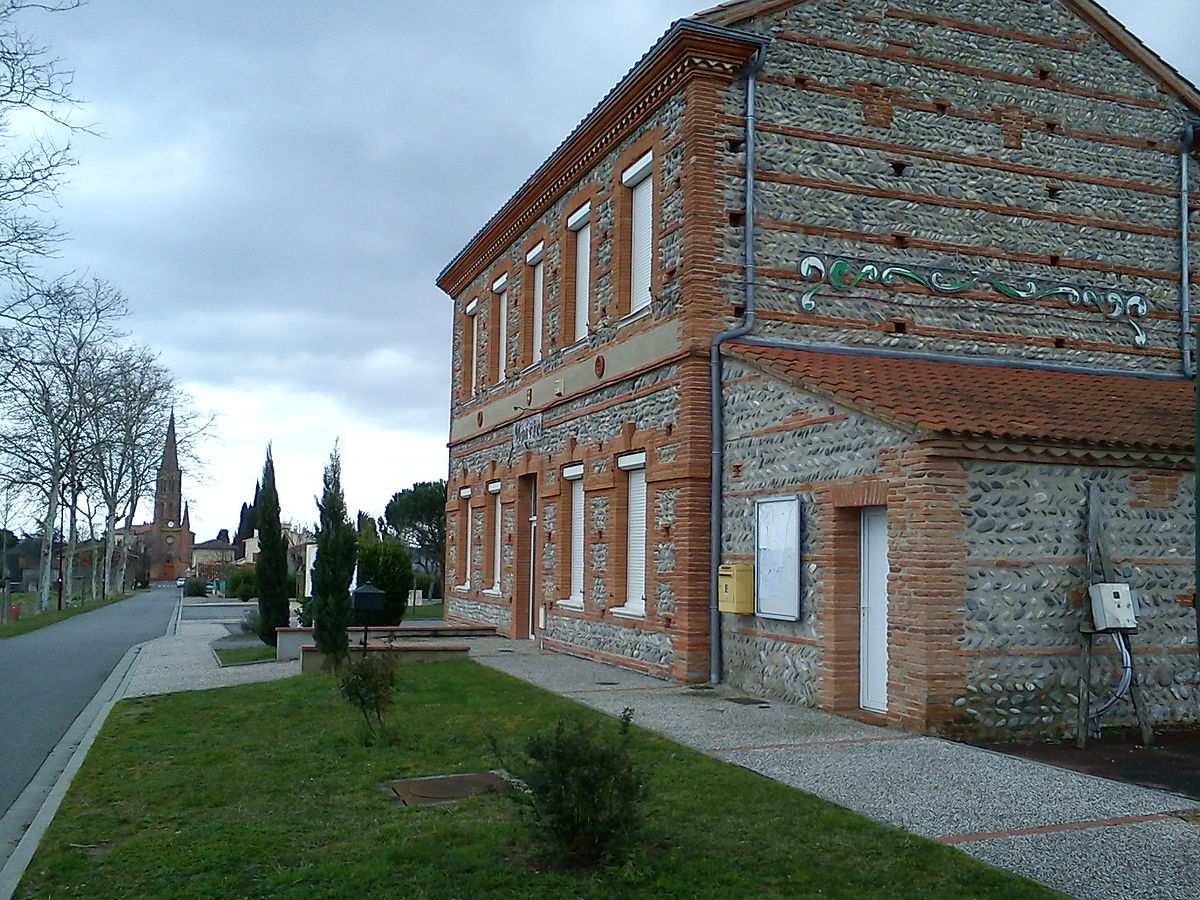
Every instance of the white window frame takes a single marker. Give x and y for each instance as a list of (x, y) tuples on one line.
[(497, 526), (641, 231), (574, 475), (580, 222), (636, 543), (500, 289), (535, 258)]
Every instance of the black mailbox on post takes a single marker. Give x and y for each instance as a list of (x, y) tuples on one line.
[(368, 598)]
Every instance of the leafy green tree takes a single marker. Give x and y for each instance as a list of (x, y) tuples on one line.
[(243, 582), (383, 562), (418, 517), (334, 566), (270, 570)]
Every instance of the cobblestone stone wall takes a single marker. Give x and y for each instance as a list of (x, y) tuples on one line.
[(611, 639), (475, 611), (1004, 140), (1026, 586)]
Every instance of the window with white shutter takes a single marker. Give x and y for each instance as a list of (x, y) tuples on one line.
[(535, 259), (574, 474), (635, 534), (473, 350), (637, 179), (497, 533), (580, 222), (500, 288)]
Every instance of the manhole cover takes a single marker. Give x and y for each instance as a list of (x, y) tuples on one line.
[(446, 788), (749, 701), (609, 683)]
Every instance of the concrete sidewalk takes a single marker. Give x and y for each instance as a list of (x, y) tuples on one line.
[(1086, 836)]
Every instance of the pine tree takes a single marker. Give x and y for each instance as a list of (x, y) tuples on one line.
[(271, 566), (336, 555)]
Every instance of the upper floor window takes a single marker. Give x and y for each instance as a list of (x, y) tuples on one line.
[(579, 224), (500, 328), (641, 229), (535, 259), (471, 348)]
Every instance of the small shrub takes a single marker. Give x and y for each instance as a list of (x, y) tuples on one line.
[(368, 685), (250, 621), (582, 798), (194, 587)]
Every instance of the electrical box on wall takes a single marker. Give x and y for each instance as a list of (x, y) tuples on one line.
[(1112, 606), (735, 589)]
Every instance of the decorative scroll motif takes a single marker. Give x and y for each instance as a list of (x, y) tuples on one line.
[(841, 275)]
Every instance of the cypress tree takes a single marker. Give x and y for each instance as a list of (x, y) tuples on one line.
[(271, 566), (334, 566)]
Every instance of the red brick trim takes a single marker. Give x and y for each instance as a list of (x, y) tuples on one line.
[(976, 71), (914, 243), (965, 160), (870, 493), (945, 22)]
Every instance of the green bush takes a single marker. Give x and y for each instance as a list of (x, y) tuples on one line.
[(195, 587), (582, 798), (243, 583), (368, 685)]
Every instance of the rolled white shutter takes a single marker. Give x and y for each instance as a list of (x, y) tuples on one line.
[(502, 340), (539, 286), (635, 555), (577, 540), (583, 262), (639, 281)]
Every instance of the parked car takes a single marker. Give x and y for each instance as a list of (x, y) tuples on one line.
[(210, 588), (180, 582)]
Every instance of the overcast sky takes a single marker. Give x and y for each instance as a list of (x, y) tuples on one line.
[(276, 185)]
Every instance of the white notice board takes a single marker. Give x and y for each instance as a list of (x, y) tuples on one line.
[(777, 558)]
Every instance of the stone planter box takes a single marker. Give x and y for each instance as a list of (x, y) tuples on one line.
[(289, 641), (402, 654)]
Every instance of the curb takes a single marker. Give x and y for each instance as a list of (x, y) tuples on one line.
[(46, 789), (31, 813)]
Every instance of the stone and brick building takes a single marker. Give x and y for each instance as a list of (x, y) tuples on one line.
[(882, 299)]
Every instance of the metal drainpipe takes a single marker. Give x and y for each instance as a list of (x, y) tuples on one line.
[(714, 367), (1185, 299), (1185, 304)]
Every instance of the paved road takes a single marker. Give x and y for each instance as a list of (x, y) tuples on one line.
[(48, 676)]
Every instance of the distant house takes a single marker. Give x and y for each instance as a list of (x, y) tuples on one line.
[(214, 551), (863, 301)]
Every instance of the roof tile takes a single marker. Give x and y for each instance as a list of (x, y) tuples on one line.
[(996, 402)]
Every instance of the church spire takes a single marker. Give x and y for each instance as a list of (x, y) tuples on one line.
[(168, 495)]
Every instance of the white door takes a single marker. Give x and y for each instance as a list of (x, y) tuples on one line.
[(873, 604)]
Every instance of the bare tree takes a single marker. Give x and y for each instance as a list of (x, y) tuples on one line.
[(53, 389)]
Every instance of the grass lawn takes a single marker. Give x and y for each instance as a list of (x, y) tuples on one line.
[(433, 611), (264, 791), (31, 621), (231, 656)]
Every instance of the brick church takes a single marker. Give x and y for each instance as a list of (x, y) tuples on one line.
[(165, 544), (824, 354)]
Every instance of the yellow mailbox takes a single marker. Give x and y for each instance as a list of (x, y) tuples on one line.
[(735, 589)]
